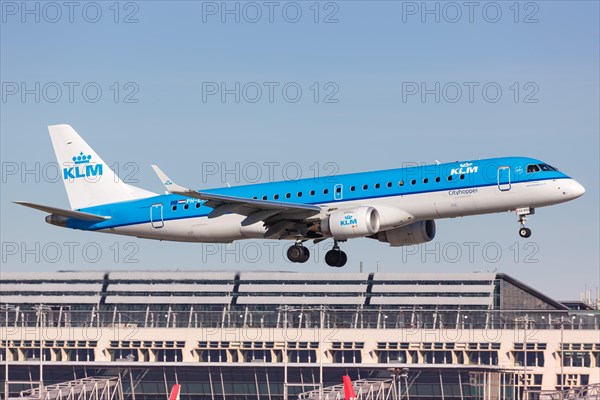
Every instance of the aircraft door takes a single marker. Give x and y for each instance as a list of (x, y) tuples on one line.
[(156, 216), (504, 179), (338, 192)]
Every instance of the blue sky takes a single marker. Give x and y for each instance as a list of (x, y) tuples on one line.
[(363, 57)]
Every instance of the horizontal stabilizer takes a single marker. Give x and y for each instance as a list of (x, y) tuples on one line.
[(67, 213)]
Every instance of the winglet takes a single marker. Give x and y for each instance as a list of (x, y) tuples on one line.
[(171, 186)]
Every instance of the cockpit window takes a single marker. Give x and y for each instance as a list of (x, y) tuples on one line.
[(532, 168), (547, 167)]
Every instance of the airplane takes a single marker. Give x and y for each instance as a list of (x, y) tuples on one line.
[(349, 393), (175, 390), (396, 206)]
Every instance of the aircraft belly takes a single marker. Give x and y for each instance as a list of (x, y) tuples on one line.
[(431, 205), (225, 228), (201, 229)]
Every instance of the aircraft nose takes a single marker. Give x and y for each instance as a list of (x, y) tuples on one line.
[(576, 189)]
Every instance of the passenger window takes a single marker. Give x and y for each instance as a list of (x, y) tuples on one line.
[(287, 195), (389, 184), (462, 176), (449, 178), (264, 197), (532, 168), (186, 206), (174, 208), (352, 188), (325, 191), (197, 205), (365, 187), (425, 180), (377, 186), (401, 183), (275, 196), (413, 181), (255, 198), (299, 194), (338, 189), (312, 192)]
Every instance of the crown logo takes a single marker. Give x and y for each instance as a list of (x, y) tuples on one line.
[(467, 164), (82, 158), (348, 216)]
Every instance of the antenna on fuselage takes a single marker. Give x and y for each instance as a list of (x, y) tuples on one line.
[(437, 162)]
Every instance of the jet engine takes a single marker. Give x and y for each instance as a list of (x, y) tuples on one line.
[(415, 233), (348, 224)]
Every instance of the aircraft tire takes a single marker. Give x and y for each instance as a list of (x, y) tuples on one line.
[(524, 232)]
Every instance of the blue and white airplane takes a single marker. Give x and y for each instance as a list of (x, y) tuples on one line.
[(397, 206)]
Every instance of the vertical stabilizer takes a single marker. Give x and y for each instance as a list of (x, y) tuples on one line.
[(348, 388), (87, 178), (175, 392)]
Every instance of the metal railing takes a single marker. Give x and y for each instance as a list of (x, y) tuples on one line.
[(92, 388), (588, 392), (300, 317), (363, 388)]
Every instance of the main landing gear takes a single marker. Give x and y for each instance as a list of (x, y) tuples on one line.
[(335, 257), (523, 213), (300, 254)]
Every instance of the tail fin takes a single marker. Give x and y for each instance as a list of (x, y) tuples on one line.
[(348, 388), (88, 180), (175, 392)]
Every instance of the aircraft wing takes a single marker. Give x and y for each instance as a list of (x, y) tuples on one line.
[(277, 216)]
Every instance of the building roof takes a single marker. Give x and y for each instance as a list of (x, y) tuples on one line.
[(428, 290)]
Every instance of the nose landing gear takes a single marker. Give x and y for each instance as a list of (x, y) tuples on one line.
[(524, 232), (523, 213)]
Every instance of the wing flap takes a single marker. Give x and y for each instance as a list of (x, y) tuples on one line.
[(256, 210)]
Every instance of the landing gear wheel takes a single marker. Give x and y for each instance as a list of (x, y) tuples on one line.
[(523, 213), (524, 232), (298, 253), (305, 255), (295, 253), (336, 258), (343, 260)]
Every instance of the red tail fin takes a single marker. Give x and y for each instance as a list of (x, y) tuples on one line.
[(348, 389), (175, 392)]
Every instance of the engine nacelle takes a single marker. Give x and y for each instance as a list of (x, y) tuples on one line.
[(416, 233), (348, 224)]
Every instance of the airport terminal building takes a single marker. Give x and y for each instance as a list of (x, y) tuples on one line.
[(274, 335)]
